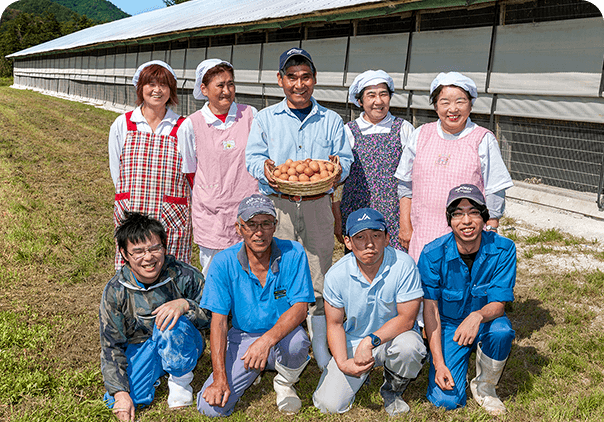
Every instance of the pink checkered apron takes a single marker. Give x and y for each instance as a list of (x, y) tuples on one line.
[(439, 166), (151, 182), (221, 179)]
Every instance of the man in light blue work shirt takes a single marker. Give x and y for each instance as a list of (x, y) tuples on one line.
[(378, 289), (298, 128)]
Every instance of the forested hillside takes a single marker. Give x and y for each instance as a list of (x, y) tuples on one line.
[(30, 22), (96, 10)]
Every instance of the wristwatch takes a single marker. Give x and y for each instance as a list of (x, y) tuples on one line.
[(489, 228), (375, 340)]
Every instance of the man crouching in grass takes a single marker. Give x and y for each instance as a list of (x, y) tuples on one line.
[(378, 289), (150, 321), (265, 284)]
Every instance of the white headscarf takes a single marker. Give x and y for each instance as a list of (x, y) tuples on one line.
[(455, 79), (200, 72), (144, 65), (368, 78)]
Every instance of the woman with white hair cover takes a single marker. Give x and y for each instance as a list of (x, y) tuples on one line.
[(444, 154), (149, 166), (377, 139), (218, 134)]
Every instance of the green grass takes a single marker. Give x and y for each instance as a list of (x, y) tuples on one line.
[(56, 255)]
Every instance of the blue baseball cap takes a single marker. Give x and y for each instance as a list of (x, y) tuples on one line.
[(364, 219), (295, 52), (254, 205)]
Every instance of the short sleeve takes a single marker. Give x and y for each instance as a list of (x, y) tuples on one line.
[(217, 296)]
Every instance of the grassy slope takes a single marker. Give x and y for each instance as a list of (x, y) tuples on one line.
[(56, 256)]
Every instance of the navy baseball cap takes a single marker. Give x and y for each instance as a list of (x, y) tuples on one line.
[(364, 219), (295, 52), (254, 205), (466, 191)]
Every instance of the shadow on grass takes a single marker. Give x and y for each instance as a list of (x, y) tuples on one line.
[(527, 317)]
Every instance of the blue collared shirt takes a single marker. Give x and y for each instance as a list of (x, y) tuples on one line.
[(446, 278), (231, 287), (277, 133), (368, 306)]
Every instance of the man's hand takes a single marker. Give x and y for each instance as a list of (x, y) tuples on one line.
[(257, 354), (269, 167), (404, 236), (363, 355), (468, 329), (335, 159), (123, 408), (217, 393), (167, 314), (349, 367), (443, 377)]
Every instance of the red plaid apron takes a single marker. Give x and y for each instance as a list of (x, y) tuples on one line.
[(151, 182)]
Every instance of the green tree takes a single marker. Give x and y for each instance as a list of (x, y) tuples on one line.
[(25, 31)]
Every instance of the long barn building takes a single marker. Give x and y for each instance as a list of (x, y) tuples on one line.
[(538, 66)]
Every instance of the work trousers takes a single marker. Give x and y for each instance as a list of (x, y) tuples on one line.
[(291, 352), (311, 224), (495, 338), (174, 351), (404, 355)]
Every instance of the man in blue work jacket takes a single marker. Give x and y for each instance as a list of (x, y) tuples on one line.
[(467, 277)]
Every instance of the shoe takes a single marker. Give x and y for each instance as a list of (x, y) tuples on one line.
[(288, 401), (392, 392), (317, 331), (180, 391), (488, 372)]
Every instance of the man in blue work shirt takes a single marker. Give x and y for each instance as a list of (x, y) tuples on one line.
[(264, 283), (467, 276), (298, 128), (378, 289)]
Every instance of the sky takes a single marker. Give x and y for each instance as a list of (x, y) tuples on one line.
[(135, 7)]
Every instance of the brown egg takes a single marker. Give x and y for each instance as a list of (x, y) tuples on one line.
[(324, 174), (315, 177), (277, 172), (284, 176), (293, 178), (321, 165), (329, 166), (283, 168), (292, 171), (288, 162), (307, 161), (300, 168), (303, 178), (308, 171), (314, 166)]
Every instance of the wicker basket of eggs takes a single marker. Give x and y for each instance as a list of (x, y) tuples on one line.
[(306, 177)]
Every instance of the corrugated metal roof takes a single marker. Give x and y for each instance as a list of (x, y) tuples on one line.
[(198, 14)]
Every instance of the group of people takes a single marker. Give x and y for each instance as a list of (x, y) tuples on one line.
[(436, 192)]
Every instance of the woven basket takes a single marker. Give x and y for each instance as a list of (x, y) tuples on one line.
[(310, 188)]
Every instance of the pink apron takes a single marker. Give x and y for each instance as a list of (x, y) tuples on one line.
[(151, 182), (439, 166), (221, 179)]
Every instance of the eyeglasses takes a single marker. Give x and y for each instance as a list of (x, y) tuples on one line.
[(139, 253), (458, 215), (253, 226)]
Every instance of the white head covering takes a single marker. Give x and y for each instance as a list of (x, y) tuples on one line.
[(144, 65), (456, 79), (200, 72), (368, 78)]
